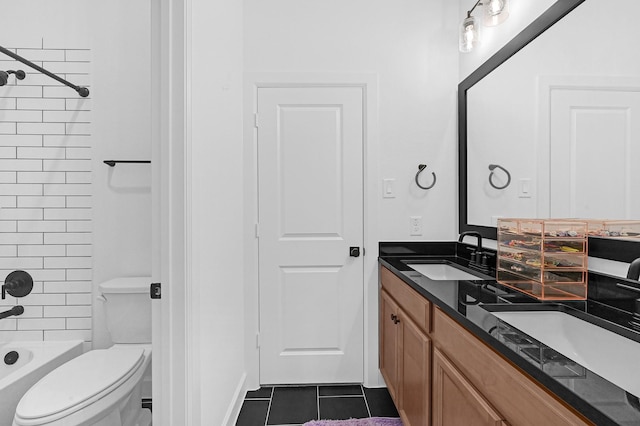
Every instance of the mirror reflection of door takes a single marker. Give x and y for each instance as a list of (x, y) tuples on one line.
[(593, 144)]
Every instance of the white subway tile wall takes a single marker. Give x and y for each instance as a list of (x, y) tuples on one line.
[(45, 195)]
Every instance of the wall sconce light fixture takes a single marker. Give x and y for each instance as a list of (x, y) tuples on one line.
[(495, 12), (469, 36)]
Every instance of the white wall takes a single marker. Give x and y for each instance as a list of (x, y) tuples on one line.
[(409, 47), (215, 168), (122, 123), (115, 123)]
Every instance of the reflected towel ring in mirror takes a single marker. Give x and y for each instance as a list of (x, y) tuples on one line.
[(421, 167), (496, 166)]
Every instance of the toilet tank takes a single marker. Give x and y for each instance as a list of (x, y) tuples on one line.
[(127, 308)]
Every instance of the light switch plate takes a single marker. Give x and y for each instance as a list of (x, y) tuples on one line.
[(388, 188), (525, 188)]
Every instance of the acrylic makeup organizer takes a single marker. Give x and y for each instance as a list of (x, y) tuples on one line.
[(620, 229), (546, 259)]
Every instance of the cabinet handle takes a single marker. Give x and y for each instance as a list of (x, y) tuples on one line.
[(393, 317), (396, 320)]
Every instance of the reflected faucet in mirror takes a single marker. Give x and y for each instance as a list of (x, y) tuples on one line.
[(633, 273)]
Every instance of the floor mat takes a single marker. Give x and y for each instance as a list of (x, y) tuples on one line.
[(372, 421)]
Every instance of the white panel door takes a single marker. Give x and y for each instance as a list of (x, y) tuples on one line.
[(310, 145), (594, 154)]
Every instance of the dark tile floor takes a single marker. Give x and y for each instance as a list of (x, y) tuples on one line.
[(295, 405)]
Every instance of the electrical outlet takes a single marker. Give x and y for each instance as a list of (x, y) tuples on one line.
[(415, 225)]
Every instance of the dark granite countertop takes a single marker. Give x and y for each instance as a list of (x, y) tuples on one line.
[(471, 303)]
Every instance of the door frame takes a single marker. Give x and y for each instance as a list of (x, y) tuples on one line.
[(175, 393), (368, 82)]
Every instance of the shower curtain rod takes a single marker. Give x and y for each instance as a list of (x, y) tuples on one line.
[(82, 91)]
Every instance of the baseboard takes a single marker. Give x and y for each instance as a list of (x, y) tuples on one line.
[(375, 380), (233, 411)]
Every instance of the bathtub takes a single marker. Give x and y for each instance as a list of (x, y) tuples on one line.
[(34, 361)]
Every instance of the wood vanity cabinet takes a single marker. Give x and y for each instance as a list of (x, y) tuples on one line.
[(389, 343), (517, 399), (456, 401), (405, 349), (439, 373)]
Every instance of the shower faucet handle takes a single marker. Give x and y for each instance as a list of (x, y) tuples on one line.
[(17, 284)]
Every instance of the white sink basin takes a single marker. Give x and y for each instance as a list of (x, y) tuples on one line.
[(442, 272), (605, 353)]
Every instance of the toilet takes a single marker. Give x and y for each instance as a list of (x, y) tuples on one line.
[(102, 387)]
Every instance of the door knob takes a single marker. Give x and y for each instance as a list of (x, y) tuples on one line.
[(354, 251)]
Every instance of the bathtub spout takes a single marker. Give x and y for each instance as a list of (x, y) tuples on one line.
[(15, 311)]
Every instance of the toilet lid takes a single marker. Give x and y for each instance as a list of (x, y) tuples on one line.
[(79, 380)]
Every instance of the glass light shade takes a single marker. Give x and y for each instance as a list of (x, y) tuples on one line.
[(469, 34), (495, 12)]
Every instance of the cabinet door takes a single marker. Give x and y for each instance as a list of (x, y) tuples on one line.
[(455, 400), (414, 370), (389, 344), (519, 400)]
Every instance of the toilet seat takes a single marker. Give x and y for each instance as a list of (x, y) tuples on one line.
[(79, 383)]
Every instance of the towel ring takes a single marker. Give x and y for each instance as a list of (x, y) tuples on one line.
[(421, 167), (496, 166)]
